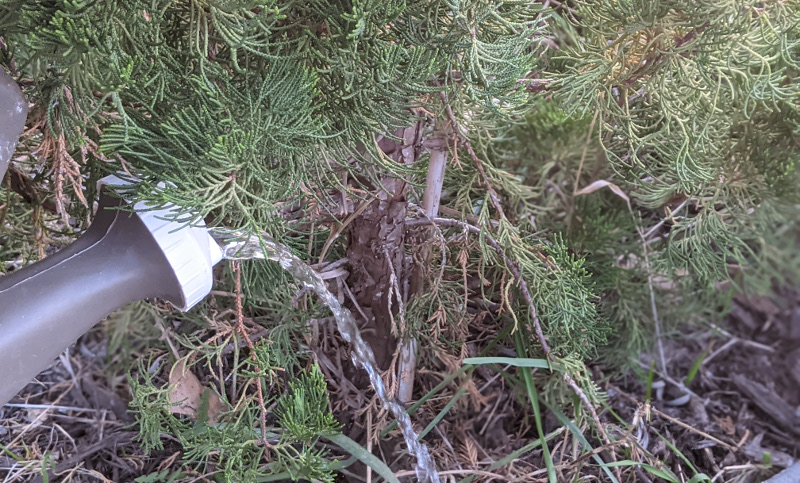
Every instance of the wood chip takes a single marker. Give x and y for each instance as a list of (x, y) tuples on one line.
[(769, 402)]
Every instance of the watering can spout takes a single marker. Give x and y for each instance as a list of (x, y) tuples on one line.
[(123, 257)]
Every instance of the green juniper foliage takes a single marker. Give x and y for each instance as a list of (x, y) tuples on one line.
[(304, 412), (266, 116)]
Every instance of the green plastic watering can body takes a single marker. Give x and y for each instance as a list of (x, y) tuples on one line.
[(45, 307), (123, 257)]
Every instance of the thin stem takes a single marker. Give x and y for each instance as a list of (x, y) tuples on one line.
[(407, 365), (456, 127), (585, 150), (240, 329)]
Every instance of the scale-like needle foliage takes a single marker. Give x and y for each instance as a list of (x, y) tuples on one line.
[(274, 115)]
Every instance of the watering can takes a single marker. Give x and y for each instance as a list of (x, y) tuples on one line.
[(125, 255), (128, 255)]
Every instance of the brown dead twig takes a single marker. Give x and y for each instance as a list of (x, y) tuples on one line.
[(27, 189), (694, 430), (517, 274), (240, 329), (65, 168)]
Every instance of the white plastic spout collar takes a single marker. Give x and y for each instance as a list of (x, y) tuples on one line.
[(189, 249)]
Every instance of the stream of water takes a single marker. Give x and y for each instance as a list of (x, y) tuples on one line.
[(13, 111), (236, 246)]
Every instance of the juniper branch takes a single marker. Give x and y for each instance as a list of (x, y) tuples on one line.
[(523, 286)]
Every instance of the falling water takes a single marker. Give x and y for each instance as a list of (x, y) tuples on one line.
[(236, 246), (13, 111)]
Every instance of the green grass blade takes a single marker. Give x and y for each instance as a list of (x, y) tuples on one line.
[(696, 368), (364, 456), (664, 473), (516, 454), (458, 395), (276, 477), (342, 464), (678, 453), (534, 399), (578, 434), (10, 453), (648, 393), (669, 444), (511, 361), (447, 380)]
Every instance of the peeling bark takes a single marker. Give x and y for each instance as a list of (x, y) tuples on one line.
[(382, 226), (379, 230)]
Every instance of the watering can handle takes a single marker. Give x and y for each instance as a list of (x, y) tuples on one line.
[(45, 307)]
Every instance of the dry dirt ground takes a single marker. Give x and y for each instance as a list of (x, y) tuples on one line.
[(745, 395), (738, 422)]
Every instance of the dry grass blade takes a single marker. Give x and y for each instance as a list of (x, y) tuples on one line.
[(600, 184)]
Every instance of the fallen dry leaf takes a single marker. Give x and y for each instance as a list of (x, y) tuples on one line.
[(601, 183), (187, 393)]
